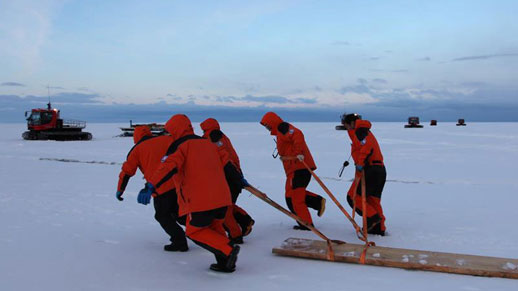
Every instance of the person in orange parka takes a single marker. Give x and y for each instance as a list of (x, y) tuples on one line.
[(367, 157), (193, 163), (291, 143), (146, 155), (237, 221)]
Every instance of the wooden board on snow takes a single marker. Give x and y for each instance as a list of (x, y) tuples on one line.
[(403, 258)]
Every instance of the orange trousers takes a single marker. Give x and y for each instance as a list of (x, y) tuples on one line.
[(373, 205), (211, 237), (299, 201), (230, 223)]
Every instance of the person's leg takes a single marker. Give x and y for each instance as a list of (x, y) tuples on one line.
[(200, 231), (206, 230), (376, 204), (301, 178), (316, 202), (288, 192), (166, 213), (299, 205), (232, 227), (376, 177), (244, 220)]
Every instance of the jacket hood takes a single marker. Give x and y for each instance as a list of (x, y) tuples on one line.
[(179, 126), (209, 125), (271, 120), (362, 123), (140, 132)]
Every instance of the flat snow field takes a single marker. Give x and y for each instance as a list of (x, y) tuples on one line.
[(451, 189)]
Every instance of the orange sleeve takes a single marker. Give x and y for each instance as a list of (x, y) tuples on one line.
[(299, 144), (224, 156), (365, 148), (129, 168)]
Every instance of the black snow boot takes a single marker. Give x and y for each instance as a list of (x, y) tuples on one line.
[(246, 226), (228, 264), (236, 240), (374, 225), (175, 247)]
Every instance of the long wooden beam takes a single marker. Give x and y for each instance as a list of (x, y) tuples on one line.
[(403, 258)]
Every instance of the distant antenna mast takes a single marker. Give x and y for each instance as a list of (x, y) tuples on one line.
[(48, 92)]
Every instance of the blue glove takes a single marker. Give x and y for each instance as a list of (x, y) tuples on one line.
[(244, 182), (144, 196), (359, 168), (118, 195)]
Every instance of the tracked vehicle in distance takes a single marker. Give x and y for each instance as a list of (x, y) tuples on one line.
[(46, 124)]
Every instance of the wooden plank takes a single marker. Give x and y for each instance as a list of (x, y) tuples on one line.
[(403, 258)]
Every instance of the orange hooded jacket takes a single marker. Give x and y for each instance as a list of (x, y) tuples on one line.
[(211, 130), (365, 149), (290, 142), (194, 165), (145, 155)]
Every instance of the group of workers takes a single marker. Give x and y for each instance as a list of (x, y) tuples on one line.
[(195, 181)]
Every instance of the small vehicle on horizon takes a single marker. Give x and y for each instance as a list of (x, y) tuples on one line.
[(46, 124), (413, 122)]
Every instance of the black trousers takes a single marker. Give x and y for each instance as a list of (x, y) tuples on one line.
[(375, 178), (301, 179), (166, 213), (205, 218)]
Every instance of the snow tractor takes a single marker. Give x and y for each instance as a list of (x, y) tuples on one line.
[(156, 129), (461, 122), (45, 124), (413, 122)]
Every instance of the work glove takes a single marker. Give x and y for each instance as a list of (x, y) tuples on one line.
[(144, 196), (118, 195), (359, 168), (300, 157)]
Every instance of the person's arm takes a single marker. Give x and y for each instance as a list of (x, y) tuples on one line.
[(128, 170), (365, 147)]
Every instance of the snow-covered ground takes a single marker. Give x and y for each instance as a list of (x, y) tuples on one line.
[(451, 189)]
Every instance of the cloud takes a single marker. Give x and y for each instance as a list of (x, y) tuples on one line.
[(55, 87), (379, 81), (25, 26), (484, 57), (389, 71), (374, 58), (38, 101), (361, 88), (425, 59), (266, 99), (306, 100), (243, 101), (226, 99), (12, 84), (339, 42), (174, 97), (73, 97)]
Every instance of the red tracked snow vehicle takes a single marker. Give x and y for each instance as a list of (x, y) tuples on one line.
[(413, 122), (44, 124)]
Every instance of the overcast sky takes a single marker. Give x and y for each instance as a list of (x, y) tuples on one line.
[(389, 58)]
